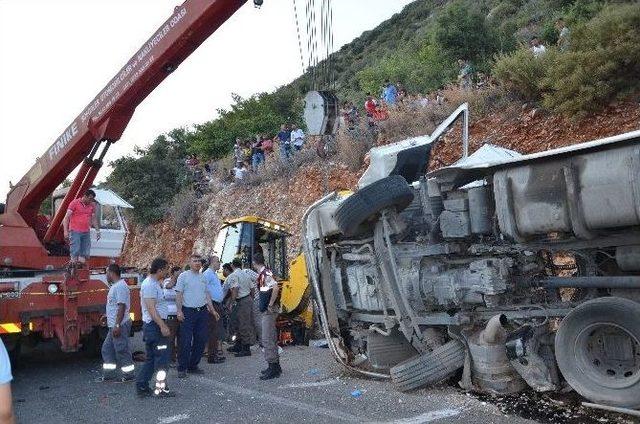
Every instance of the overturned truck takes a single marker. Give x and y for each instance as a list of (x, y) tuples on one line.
[(521, 271)]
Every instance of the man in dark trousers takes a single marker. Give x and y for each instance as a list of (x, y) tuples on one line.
[(269, 308), (216, 329), (241, 289), (193, 301), (155, 332)]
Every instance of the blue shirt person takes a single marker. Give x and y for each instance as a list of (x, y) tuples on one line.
[(214, 286), (390, 93)]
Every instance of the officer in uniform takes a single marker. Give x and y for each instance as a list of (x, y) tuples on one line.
[(241, 289), (155, 332), (115, 349), (269, 308)]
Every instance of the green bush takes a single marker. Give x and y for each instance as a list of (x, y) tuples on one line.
[(602, 64), (521, 73)]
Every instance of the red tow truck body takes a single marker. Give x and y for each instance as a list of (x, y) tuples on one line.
[(39, 298)]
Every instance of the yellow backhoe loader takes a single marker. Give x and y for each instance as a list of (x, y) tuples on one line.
[(245, 236)]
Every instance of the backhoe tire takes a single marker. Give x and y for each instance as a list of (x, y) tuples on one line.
[(392, 191), (429, 368), (597, 348)]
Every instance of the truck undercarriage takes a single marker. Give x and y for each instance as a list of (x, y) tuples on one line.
[(523, 271)]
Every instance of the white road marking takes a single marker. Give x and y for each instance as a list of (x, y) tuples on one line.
[(309, 384), (301, 406), (427, 417), (173, 419)]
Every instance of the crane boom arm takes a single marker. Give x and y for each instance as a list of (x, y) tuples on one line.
[(106, 117)]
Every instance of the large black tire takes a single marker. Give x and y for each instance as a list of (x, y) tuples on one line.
[(598, 351), (429, 368), (392, 191)]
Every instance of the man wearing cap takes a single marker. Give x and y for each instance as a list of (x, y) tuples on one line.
[(115, 349)]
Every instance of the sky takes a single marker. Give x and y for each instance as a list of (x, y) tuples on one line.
[(55, 56)]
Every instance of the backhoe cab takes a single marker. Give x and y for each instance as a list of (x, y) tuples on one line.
[(244, 237)]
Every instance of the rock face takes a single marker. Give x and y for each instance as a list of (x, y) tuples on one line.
[(285, 198)]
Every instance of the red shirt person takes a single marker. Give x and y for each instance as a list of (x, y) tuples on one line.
[(77, 226)]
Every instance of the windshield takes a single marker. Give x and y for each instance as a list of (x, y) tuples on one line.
[(231, 243)]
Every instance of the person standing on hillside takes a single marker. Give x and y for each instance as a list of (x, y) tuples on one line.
[(115, 348), (192, 302), (172, 311), (563, 35), (76, 224), (257, 153), (269, 307), (297, 137), (390, 93), (155, 332), (284, 138), (465, 75), (370, 108), (214, 286), (241, 297), (537, 48)]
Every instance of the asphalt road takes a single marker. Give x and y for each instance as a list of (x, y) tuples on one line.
[(51, 387)]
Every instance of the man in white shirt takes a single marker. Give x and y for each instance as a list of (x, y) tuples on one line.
[(297, 137), (6, 408), (537, 47), (115, 349)]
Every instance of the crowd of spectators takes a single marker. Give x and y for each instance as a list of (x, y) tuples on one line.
[(249, 155)]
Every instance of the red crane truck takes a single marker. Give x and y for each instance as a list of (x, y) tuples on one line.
[(39, 297)]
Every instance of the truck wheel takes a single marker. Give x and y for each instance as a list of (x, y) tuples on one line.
[(92, 345), (598, 351), (429, 368), (392, 191)]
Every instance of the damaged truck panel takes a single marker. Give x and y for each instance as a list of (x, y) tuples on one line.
[(517, 269)]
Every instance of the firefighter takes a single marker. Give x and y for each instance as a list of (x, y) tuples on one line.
[(269, 308), (115, 349), (155, 332)]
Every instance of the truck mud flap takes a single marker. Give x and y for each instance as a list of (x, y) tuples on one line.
[(429, 368)]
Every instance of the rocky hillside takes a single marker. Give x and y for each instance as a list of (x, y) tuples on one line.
[(286, 197)]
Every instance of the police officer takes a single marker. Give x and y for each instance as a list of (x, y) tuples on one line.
[(115, 349), (241, 289), (155, 332), (193, 300), (269, 308)]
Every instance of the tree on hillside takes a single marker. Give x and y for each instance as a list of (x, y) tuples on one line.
[(462, 33), (259, 114), (151, 179)]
